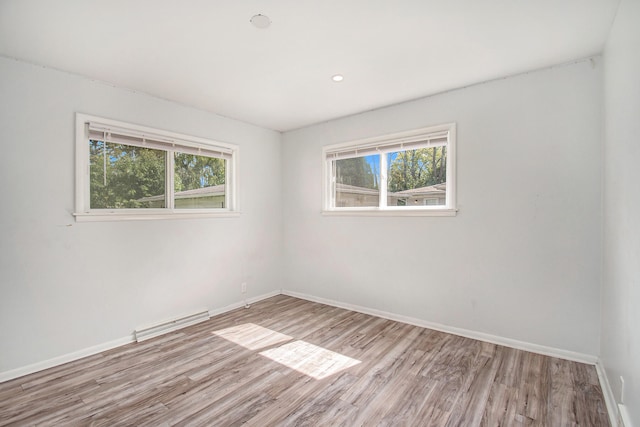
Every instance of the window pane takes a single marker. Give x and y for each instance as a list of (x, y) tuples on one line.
[(124, 176), (417, 177), (199, 182), (356, 181)]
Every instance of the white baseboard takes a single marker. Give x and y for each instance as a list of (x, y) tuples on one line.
[(90, 351), (609, 398), (65, 358), (625, 418), (481, 336)]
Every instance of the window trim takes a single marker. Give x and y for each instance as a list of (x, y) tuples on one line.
[(389, 143), (83, 212)]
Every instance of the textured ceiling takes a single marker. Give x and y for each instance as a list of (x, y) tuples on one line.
[(206, 53)]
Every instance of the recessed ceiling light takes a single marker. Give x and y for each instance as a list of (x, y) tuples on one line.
[(260, 21), (337, 78)]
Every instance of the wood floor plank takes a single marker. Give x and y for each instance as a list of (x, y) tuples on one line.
[(472, 402), (227, 407), (218, 393), (405, 376), (312, 410), (498, 404)]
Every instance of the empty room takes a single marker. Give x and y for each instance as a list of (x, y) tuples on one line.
[(320, 213)]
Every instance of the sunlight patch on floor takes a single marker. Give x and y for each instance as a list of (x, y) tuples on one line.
[(309, 359), (252, 336)]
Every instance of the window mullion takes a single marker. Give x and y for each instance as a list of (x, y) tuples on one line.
[(383, 180), (170, 180), (227, 184), (332, 184)]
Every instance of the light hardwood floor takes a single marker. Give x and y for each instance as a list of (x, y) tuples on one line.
[(389, 373)]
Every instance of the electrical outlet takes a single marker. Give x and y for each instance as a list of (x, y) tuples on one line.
[(243, 287), (621, 390)]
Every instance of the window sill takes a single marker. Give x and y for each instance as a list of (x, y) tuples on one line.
[(390, 212), (146, 216)]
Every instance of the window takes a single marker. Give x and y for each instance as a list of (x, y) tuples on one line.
[(411, 173), (127, 171)]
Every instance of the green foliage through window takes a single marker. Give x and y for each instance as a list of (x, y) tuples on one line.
[(197, 171), (199, 181), (130, 177), (417, 168), (123, 175)]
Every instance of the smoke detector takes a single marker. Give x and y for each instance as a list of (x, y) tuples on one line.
[(260, 21)]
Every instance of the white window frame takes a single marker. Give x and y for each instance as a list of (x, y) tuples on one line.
[(164, 141), (417, 138)]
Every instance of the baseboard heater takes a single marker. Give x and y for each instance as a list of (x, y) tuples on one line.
[(145, 333)]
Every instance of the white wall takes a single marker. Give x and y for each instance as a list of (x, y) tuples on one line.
[(67, 286), (522, 259), (620, 349)]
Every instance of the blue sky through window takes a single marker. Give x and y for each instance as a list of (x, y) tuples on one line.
[(374, 160)]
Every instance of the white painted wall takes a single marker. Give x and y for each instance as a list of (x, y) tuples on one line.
[(620, 348), (67, 286), (522, 260)]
